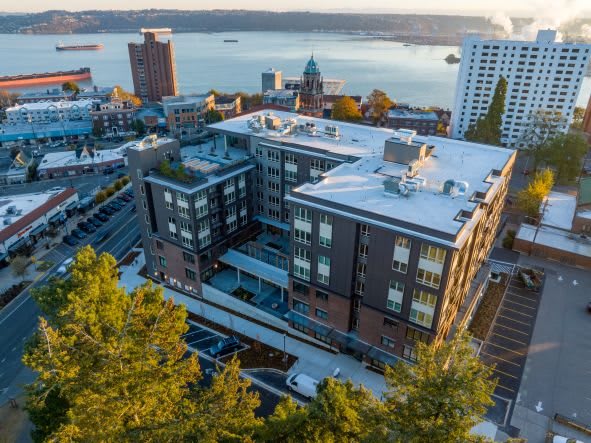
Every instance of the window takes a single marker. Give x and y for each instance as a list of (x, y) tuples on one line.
[(415, 334), (273, 156), (323, 338), (201, 204), (274, 200), (365, 230), (363, 250), (320, 295), (189, 258), (302, 236), (359, 287), (378, 364), (159, 244), (301, 328), (323, 269), (172, 228), (302, 214), (387, 341), (390, 323), (301, 263), (291, 176), (395, 296), (186, 235), (320, 313), (162, 261), (409, 353), (300, 288), (190, 274), (428, 278), (272, 172), (401, 254), (430, 266), (168, 199), (325, 231), (291, 159), (361, 270), (422, 308), (300, 306), (316, 168), (433, 253)]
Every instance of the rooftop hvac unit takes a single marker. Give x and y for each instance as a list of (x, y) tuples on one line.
[(391, 186), (413, 168), (7, 221), (11, 210), (331, 130)]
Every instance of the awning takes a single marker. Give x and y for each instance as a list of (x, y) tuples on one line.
[(383, 356), (72, 205), (38, 230), (276, 223), (19, 244), (300, 319), (256, 267), (56, 218)]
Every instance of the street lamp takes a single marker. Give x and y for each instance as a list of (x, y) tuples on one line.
[(284, 350)]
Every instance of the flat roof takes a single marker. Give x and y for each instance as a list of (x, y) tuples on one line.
[(555, 238), (146, 143), (560, 210), (69, 158), (45, 105), (354, 140), (412, 114)]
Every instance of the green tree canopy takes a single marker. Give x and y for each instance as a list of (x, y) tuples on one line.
[(71, 86), (112, 366), (488, 128), (578, 117), (565, 152), (540, 126), (213, 116), (345, 109), (441, 397), (138, 126), (379, 103)]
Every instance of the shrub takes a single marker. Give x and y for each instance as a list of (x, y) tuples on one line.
[(509, 239), (125, 180), (110, 191), (118, 185), (100, 197)]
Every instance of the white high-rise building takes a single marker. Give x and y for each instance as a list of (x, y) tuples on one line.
[(541, 75)]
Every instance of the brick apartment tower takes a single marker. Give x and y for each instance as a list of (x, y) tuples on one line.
[(152, 67), (312, 90)]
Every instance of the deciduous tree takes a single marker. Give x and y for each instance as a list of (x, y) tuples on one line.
[(565, 152), (440, 398), (378, 103), (19, 266), (345, 109), (540, 127), (71, 86), (7, 98), (578, 117), (125, 95), (488, 128)]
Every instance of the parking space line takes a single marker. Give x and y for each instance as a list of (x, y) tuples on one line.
[(504, 373), (504, 387), (520, 304), (516, 321), (508, 338), (517, 312), (206, 338), (506, 349), (522, 296), (510, 328), (499, 358), (191, 333)]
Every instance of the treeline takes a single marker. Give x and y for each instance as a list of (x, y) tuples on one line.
[(113, 367), (238, 20)]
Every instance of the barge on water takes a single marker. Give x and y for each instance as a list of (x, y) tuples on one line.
[(14, 81), (91, 47)]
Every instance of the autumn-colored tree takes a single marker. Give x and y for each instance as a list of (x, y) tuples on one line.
[(100, 197), (378, 103), (340, 412), (7, 98), (578, 117), (127, 96), (441, 397), (488, 128), (345, 109), (71, 87), (530, 199), (19, 266), (112, 367)]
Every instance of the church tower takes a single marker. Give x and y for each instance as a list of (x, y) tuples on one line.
[(312, 90)]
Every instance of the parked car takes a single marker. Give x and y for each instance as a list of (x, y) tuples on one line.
[(86, 227), (120, 201), (101, 236), (65, 265), (115, 206), (100, 216), (129, 192), (561, 439), (121, 175), (107, 210), (70, 240), (225, 346), (108, 171), (125, 197), (302, 384), (78, 233), (94, 222), (133, 208)]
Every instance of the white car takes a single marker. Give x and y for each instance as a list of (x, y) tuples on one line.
[(302, 384), (64, 267)]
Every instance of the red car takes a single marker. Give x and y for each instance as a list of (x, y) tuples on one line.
[(124, 196)]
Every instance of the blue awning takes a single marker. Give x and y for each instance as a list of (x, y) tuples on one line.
[(56, 218), (39, 229), (301, 319), (268, 221), (19, 244), (383, 356), (256, 267)]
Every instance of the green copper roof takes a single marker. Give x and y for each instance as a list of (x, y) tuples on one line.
[(312, 67)]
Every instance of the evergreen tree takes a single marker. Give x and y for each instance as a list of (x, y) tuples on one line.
[(345, 109), (441, 397), (488, 128), (112, 366)]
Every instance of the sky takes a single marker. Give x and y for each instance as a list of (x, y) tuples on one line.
[(465, 7)]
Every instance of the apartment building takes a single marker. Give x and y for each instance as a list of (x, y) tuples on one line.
[(186, 111), (49, 112), (385, 230), (112, 119), (152, 66), (542, 75), (423, 122)]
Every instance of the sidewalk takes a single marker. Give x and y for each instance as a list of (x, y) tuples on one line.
[(311, 360)]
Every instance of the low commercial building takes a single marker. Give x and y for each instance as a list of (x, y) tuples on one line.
[(228, 105), (79, 162), (112, 119), (364, 238), (59, 130), (423, 122), (288, 98), (186, 111), (48, 112), (50, 95), (101, 94), (25, 218)]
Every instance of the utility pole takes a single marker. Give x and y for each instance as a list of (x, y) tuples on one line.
[(531, 247)]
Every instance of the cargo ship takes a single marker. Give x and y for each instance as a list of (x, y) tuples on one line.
[(13, 81), (94, 47)]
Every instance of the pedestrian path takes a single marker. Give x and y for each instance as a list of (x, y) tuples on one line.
[(313, 361)]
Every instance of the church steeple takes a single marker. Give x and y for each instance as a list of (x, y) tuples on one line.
[(312, 89)]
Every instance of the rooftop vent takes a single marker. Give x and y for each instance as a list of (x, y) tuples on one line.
[(331, 130), (453, 187), (7, 221), (11, 210)]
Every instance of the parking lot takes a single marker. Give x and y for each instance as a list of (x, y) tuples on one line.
[(202, 339), (507, 342)]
